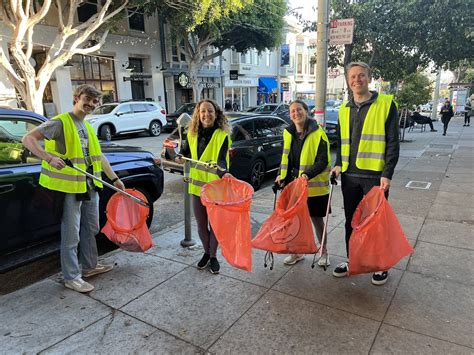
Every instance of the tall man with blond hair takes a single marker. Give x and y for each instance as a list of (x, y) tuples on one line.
[(368, 149)]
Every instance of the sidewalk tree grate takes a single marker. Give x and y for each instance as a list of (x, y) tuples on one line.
[(421, 185)]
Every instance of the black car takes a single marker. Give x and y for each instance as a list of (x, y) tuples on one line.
[(30, 217), (257, 145), (172, 117), (280, 110)]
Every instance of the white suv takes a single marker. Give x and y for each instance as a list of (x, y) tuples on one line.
[(128, 117)]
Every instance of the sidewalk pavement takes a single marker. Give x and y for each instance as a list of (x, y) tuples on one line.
[(160, 302)]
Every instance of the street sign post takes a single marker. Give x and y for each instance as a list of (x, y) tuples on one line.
[(341, 31)]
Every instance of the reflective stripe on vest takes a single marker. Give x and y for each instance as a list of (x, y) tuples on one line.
[(319, 185), (199, 175), (67, 179), (371, 150)]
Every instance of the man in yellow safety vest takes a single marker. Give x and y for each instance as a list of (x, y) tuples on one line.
[(368, 148), (68, 135)]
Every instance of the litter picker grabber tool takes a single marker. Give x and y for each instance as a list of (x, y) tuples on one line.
[(269, 259), (323, 239), (110, 186), (208, 164)]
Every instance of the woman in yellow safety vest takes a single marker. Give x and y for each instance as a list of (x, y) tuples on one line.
[(306, 153), (207, 140)]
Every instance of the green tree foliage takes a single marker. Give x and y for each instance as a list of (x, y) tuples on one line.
[(399, 37), (416, 89), (197, 25)]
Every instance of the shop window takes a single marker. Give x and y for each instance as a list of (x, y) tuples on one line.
[(95, 71), (86, 10), (136, 19)]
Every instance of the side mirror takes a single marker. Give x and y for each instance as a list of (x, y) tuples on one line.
[(118, 114), (183, 120)]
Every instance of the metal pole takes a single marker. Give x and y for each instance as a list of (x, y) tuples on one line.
[(321, 60), (278, 100), (188, 240), (434, 109)]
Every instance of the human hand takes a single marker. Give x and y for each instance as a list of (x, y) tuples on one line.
[(227, 175), (278, 181), (305, 177), (119, 184), (179, 159), (385, 183), (336, 171), (57, 162)]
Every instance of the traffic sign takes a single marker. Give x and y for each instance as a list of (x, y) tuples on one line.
[(341, 31)]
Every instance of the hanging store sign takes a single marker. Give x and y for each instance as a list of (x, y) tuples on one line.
[(234, 74), (138, 77)]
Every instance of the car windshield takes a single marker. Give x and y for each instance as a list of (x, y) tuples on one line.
[(104, 109), (185, 108)]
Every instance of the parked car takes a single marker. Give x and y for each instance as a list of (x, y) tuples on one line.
[(280, 110), (257, 145), (332, 118), (114, 119), (31, 214), (172, 117)]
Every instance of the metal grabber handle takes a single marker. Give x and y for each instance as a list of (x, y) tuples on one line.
[(110, 186)]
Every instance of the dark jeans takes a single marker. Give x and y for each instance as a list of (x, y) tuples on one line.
[(425, 120), (353, 190), (467, 118), (208, 239), (445, 124)]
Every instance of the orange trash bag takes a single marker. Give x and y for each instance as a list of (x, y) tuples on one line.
[(126, 222), (288, 230), (227, 202), (377, 242)]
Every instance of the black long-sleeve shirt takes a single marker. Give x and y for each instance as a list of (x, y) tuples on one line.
[(204, 137), (358, 112), (321, 160)]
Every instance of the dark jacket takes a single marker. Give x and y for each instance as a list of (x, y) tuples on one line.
[(392, 148), (446, 113), (204, 137), (321, 160)]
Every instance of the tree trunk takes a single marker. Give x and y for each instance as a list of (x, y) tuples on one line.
[(193, 78)]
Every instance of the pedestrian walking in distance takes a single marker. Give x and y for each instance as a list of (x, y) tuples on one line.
[(207, 140), (69, 136), (367, 151), (446, 113), (468, 111), (300, 158)]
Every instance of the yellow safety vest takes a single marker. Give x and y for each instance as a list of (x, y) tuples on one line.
[(371, 150), (200, 175), (319, 185), (67, 179)]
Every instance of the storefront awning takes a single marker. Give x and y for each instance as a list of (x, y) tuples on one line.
[(267, 85)]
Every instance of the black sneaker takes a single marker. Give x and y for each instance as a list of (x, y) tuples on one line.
[(341, 270), (379, 278), (204, 261), (215, 267)]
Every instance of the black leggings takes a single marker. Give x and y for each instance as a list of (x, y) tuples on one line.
[(206, 234), (353, 190)]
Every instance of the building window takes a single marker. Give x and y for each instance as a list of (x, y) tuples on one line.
[(178, 57), (136, 19), (299, 63), (267, 57), (86, 10), (243, 58), (234, 57), (99, 72)]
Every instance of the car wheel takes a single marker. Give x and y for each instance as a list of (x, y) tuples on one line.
[(149, 202), (257, 174), (106, 133), (155, 128)]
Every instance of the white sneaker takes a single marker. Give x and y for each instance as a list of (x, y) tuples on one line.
[(324, 260), (99, 269), (293, 259), (78, 285)]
